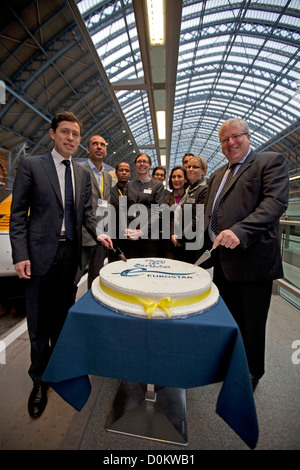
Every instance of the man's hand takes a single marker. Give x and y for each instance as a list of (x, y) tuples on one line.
[(105, 240), (23, 269), (226, 238)]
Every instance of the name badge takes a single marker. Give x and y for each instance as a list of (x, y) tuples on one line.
[(190, 200), (147, 191), (102, 203)]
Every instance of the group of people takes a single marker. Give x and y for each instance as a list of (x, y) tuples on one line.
[(241, 205)]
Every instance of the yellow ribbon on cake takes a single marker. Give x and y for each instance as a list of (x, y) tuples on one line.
[(150, 306)]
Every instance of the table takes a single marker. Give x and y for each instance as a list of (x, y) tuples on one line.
[(185, 353)]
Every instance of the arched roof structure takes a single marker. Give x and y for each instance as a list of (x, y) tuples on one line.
[(220, 59)]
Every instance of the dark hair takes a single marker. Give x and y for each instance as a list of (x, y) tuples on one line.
[(146, 155), (120, 163), (183, 169), (64, 116), (159, 168)]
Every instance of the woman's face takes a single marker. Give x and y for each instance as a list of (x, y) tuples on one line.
[(194, 170), (142, 166), (178, 179)]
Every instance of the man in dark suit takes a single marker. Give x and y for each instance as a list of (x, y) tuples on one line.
[(244, 234), (118, 190), (46, 244), (93, 254)]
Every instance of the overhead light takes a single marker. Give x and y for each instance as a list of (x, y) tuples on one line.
[(161, 124), (163, 160), (156, 21), (294, 177)]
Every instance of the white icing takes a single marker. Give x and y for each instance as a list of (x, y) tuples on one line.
[(154, 279)]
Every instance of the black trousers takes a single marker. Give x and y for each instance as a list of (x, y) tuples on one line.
[(48, 299), (92, 258), (248, 302)]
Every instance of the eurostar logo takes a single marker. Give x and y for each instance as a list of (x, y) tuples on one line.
[(140, 271)]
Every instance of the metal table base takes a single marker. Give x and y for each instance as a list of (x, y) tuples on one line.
[(150, 412)]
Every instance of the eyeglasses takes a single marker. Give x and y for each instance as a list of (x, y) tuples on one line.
[(141, 162), (194, 167), (233, 137)]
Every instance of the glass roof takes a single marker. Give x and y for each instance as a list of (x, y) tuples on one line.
[(236, 59)]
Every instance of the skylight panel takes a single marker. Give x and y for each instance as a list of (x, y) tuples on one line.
[(261, 15), (85, 5), (188, 23), (225, 15)]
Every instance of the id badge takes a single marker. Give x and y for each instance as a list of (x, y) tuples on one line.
[(102, 203), (147, 191), (190, 200)]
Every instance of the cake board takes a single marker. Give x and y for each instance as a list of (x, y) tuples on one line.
[(150, 412)]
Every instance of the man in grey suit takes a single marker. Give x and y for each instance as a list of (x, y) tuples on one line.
[(46, 244), (93, 254), (244, 234)]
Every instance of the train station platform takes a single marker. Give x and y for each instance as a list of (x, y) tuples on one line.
[(62, 428)]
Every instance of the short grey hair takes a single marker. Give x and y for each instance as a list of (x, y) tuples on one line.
[(244, 124)]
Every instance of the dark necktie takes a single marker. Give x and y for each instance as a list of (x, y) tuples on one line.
[(69, 203), (213, 222)]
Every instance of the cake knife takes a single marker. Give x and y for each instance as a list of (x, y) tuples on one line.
[(120, 254), (205, 256)]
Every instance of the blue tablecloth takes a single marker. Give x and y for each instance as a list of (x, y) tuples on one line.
[(199, 350)]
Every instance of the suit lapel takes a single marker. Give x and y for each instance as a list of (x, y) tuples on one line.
[(244, 166), (49, 166), (78, 182), (106, 190), (94, 181)]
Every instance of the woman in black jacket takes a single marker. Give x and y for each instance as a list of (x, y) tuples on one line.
[(145, 196), (187, 230)]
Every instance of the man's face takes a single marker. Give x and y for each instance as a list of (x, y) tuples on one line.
[(97, 149), (235, 143), (186, 160), (159, 175), (123, 172), (66, 138)]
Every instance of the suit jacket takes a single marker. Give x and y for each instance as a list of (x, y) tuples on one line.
[(114, 201), (87, 240), (251, 208), (37, 211), (114, 195)]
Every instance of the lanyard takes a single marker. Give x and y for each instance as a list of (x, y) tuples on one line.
[(100, 185)]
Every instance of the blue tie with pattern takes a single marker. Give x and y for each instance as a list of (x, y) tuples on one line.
[(213, 221), (69, 203)]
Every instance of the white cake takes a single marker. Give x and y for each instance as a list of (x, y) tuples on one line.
[(157, 288)]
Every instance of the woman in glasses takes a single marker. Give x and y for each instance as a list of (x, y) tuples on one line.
[(144, 196), (188, 217)]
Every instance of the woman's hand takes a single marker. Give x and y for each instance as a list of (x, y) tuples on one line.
[(133, 234)]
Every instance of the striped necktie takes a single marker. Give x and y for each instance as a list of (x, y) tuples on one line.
[(213, 222)]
